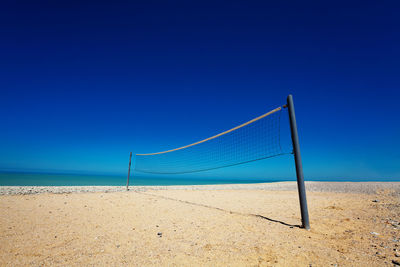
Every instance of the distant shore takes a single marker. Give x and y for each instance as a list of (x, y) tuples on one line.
[(312, 186)]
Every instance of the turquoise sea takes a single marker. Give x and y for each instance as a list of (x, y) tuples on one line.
[(56, 179)]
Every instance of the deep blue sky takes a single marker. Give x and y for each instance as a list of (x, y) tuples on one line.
[(83, 83)]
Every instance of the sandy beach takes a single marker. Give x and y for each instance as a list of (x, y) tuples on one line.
[(352, 224)]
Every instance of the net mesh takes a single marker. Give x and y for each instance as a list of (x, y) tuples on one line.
[(255, 140)]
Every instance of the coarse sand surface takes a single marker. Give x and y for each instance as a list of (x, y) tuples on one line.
[(352, 224)]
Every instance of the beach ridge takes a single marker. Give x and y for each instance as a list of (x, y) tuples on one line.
[(312, 186)]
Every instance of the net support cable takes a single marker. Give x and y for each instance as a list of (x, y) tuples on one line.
[(254, 140)]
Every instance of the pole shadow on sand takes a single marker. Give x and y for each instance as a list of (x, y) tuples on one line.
[(220, 209)]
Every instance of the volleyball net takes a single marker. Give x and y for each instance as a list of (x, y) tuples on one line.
[(254, 140), (257, 139)]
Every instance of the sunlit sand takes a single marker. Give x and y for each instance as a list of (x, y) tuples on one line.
[(224, 225)]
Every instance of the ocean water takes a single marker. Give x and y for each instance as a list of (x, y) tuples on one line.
[(55, 179)]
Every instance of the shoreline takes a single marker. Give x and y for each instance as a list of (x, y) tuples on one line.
[(311, 186)]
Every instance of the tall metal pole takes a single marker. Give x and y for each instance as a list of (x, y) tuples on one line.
[(129, 171), (299, 167)]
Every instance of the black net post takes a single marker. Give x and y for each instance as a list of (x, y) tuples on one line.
[(299, 167), (129, 171)]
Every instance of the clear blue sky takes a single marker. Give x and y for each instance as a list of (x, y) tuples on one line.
[(83, 83)]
